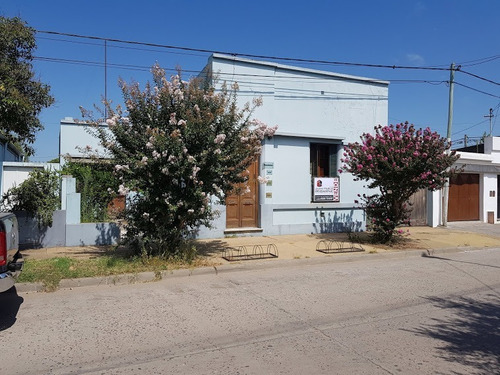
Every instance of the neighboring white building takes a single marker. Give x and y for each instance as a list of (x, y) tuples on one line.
[(13, 170), (15, 173), (317, 113), (474, 193), (76, 140), (8, 154)]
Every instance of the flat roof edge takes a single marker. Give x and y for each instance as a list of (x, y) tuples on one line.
[(220, 56), (312, 136)]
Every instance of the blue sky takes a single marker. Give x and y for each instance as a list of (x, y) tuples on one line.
[(427, 33)]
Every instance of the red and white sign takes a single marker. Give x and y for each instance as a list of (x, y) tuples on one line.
[(326, 189)]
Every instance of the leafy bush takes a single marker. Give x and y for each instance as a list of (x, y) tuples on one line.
[(398, 161), (38, 195), (178, 146)]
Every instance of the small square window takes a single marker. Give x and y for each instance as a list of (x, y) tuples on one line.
[(323, 160)]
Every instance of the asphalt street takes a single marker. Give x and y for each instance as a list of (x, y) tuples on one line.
[(416, 315)]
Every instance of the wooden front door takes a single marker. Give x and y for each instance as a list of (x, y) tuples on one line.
[(242, 210), (463, 201)]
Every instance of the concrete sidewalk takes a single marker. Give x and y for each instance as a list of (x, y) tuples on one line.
[(419, 240), (300, 246)]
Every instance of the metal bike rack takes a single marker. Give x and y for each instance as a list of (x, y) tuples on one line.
[(249, 252), (334, 246)]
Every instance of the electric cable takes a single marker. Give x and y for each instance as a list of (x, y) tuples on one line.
[(473, 89), (267, 57), (479, 77)]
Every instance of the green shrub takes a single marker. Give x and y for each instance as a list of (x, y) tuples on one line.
[(38, 196)]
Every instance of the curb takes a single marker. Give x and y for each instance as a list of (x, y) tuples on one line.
[(145, 277)]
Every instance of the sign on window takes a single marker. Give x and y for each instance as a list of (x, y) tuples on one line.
[(326, 189)]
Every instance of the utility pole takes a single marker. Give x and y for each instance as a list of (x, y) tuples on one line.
[(465, 140), (490, 116), (105, 79), (446, 190)]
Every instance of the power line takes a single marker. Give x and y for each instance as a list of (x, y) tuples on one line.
[(470, 127), (483, 60), (480, 91), (147, 68), (435, 83), (245, 54), (433, 67), (479, 77), (142, 68), (120, 47), (93, 63)]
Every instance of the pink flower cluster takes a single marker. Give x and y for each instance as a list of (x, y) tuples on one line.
[(398, 160), (261, 130)]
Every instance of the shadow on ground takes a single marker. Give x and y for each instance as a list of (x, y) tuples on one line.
[(470, 335), (212, 248), (365, 238), (10, 303)]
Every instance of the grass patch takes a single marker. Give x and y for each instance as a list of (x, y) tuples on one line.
[(51, 271)]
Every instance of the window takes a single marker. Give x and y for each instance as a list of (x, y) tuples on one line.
[(324, 160)]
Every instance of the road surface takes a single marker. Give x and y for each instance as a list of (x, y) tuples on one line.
[(374, 315)]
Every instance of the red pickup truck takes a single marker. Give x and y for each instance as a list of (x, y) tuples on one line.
[(11, 260)]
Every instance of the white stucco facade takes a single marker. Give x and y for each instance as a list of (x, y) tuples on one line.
[(309, 107), (15, 173), (77, 140), (487, 166), (9, 155)]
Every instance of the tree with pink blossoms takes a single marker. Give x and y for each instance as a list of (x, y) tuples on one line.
[(397, 161), (177, 147)]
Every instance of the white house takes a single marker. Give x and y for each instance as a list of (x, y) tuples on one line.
[(317, 112), (13, 169), (474, 193), (76, 139)]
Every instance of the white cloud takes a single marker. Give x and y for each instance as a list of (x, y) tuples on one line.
[(415, 59)]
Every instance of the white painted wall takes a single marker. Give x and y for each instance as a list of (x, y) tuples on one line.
[(488, 203), (75, 135), (303, 101), (487, 165), (308, 106), (492, 147), (15, 173)]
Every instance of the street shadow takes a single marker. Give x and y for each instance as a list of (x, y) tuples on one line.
[(10, 303), (470, 335), (425, 255)]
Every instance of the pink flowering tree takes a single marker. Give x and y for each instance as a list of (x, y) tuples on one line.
[(398, 161), (177, 147)]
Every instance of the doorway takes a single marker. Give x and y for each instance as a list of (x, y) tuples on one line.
[(242, 209)]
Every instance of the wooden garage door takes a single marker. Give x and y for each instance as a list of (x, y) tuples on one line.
[(242, 210), (463, 201)]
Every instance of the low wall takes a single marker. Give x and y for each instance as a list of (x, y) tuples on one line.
[(92, 234), (284, 219), (62, 234), (32, 236)]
